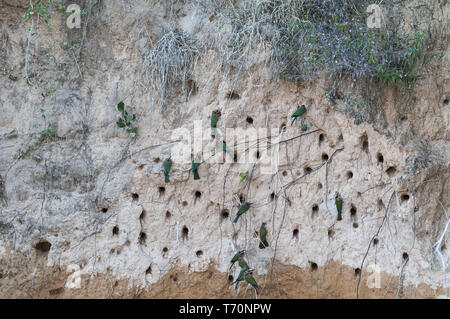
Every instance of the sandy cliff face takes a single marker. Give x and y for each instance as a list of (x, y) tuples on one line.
[(90, 202)]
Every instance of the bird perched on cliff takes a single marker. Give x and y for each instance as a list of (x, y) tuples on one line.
[(244, 207), (262, 237), (195, 169), (239, 278), (167, 164), (215, 115), (242, 263), (299, 112), (225, 149), (338, 201), (250, 279), (236, 257)]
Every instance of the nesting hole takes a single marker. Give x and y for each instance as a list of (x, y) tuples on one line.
[(284, 173), (258, 154), (315, 210), (135, 197), (140, 167), (149, 270), (295, 233), (43, 246), (104, 210), (308, 170), (156, 160), (192, 87), (355, 225), (272, 196), (391, 171), (230, 278), (249, 120), (115, 230), (241, 198), (142, 215), (185, 232), (319, 186), (313, 266), (341, 138), (198, 194), (349, 175), (357, 271), (353, 211), (321, 138), (380, 204), (225, 214), (380, 158), (405, 256), (375, 241), (184, 203), (445, 102), (168, 214), (325, 157), (404, 198), (142, 238), (364, 143), (283, 127), (235, 156), (233, 95), (199, 253), (330, 232), (161, 190), (165, 250)]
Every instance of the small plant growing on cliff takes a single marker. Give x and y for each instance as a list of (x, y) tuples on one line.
[(126, 121), (243, 176), (48, 132), (39, 8)]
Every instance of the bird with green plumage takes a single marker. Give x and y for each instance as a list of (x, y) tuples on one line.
[(239, 278), (195, 169), (262, 237), (244, 207), (242, 263), (339, 202), (239, 254), (250, 279), (225, 149), (215, 115), (167, 165), (299, 112)]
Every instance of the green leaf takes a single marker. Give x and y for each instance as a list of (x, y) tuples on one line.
[(121, 107), (132, 130), (120, 123)]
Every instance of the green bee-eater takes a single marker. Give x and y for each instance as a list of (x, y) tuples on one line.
[(338, 200), (167, 164), (244, 207), (262, 237), (225, 149), (299, 112), (250, 279), (195, 169), (236, 257), (239, 278), (215, 115), (242, 263)]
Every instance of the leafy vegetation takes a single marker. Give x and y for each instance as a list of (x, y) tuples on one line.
[(48, 132), (126, 121), (308, 37), (39, 8)]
